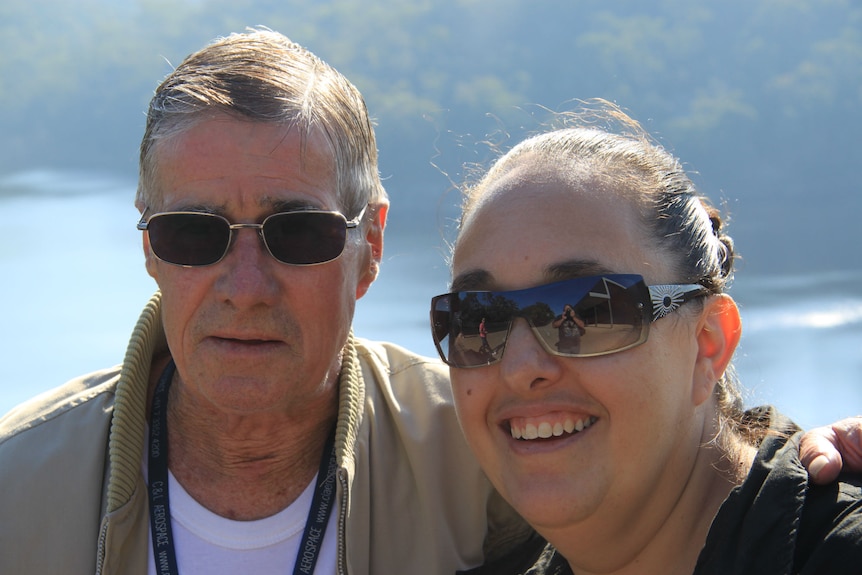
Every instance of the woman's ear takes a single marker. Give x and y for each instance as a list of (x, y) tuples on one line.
[(374, 239), (718, 333)]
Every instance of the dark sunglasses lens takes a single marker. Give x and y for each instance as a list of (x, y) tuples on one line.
[(305, 238), (189, 239)]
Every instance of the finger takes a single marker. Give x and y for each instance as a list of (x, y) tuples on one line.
[(848, 433), (819, 452)]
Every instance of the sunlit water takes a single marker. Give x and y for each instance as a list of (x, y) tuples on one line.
[(74, 283)]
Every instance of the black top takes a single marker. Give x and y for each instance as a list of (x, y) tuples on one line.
[(775, 523)]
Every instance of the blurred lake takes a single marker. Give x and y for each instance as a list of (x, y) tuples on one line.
[(74, 283)]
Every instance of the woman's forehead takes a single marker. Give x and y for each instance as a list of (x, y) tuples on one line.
[(522, 226)]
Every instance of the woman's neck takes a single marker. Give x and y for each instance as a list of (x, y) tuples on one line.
[(665, 536)]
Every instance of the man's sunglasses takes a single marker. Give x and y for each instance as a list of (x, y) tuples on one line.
[(581, 317), (299, 238)]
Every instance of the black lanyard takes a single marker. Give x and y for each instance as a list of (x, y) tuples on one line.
[(160, 510)]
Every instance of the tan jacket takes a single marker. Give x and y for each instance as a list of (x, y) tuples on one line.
[(73, 499)]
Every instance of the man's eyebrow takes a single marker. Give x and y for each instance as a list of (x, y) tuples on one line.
[(202, 208), (295, 205), (474, 280)]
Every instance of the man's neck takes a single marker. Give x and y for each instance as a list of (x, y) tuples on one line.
[(244, 467)]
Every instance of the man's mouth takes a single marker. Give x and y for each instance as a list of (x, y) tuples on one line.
[(540, 428), (246, 343)]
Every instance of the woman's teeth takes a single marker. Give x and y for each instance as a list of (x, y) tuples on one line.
[(546, 429)]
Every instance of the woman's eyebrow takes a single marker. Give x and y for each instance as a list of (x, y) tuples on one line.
[(481, 280), (474, 280), (575, 269)]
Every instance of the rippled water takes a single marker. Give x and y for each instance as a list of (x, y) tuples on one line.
[(74, 283)]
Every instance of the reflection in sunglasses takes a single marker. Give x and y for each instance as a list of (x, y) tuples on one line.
[(581, 317)]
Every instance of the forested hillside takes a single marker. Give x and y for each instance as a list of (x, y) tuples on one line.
[(762, 97)]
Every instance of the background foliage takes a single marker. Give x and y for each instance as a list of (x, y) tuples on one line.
[(762, 98)]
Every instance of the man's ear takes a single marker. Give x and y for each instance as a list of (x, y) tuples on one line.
[(718, 333), (374, 239), (150, 258)]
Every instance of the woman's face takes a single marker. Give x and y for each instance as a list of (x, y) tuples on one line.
[(636, 408)]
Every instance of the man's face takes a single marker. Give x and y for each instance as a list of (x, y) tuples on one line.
[(250, 333)]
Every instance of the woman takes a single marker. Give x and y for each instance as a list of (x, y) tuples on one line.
[(632, 452)]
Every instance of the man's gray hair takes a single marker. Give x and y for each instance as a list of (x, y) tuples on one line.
[(262, 76)]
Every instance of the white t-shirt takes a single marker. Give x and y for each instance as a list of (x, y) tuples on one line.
[(207, 543)]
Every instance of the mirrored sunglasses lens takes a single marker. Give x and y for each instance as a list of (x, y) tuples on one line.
[(461, 337), (604, 317), (582, 317), (305, 238), (594, 329), (189, 239)]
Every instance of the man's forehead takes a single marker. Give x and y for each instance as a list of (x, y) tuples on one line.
[(225, 159)]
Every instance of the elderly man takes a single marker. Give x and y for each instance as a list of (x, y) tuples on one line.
[(245, 410), (247, 430)]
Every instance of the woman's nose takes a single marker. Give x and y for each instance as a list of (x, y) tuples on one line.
[(525, 363)]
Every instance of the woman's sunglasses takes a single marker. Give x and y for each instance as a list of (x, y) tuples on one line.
[(299, 238), (581, 317)]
